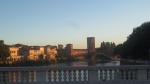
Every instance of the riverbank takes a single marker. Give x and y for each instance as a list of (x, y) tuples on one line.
[(133, 62), (28, 63)]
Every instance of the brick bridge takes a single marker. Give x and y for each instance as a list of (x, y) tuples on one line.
[(84, 54)]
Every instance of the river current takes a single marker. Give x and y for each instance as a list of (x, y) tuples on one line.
[(87, 63)]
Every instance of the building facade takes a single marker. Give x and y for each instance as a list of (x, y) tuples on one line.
[(31, 53), (34, 53), (51, 52), (14, 54)]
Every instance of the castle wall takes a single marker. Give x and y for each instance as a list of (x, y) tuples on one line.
[(74, 52), (70, 53), (78, 52)]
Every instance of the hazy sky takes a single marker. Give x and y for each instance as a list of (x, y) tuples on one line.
[(49, 22)]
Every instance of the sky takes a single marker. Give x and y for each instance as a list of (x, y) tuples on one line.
[(53, 22)]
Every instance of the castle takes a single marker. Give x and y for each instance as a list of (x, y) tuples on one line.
[(75, 53), (24, 52)]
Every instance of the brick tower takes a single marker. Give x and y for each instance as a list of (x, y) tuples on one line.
[(90, 46), (69, 50)]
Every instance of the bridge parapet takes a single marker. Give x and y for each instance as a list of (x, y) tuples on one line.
[(133, 74)]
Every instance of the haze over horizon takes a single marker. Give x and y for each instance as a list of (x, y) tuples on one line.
[(53, 22)]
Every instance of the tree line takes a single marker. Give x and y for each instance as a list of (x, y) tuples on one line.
[(107, 46), (4, 51), (137, 45)]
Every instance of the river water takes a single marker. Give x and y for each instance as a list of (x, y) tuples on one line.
[(100, 63), (88, 63)]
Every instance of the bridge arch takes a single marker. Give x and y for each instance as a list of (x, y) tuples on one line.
[(79, 57), (101, 56)]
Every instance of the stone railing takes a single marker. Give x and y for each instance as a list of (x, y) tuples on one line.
[(129, 74)]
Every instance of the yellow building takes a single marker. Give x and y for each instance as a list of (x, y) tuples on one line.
[(14, 54), (34, 53), (31, 53), (51, 53)]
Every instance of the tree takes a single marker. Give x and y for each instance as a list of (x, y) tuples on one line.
[(118, 49), (4, 51), (137, 44), (107, 46)]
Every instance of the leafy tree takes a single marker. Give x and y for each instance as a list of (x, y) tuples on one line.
[(118, 49), (107, 46), (137, 44), (4, 51)]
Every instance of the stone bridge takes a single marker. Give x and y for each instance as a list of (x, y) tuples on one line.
[(80, 56), (100, 56), (96, 55)]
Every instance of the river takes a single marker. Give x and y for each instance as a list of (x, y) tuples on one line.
[(97, 63), (87, 63)]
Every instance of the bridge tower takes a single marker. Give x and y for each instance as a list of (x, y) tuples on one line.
[(90, 46)]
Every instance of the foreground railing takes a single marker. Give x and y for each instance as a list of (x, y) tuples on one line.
[(129, 74)]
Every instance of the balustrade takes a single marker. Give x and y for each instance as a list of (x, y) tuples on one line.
[(67, 75), (85, 74)]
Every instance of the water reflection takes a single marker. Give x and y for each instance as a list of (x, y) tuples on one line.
[(88, 63), (94, 62)]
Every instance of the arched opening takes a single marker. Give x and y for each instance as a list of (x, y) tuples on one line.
[(100, 57)]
